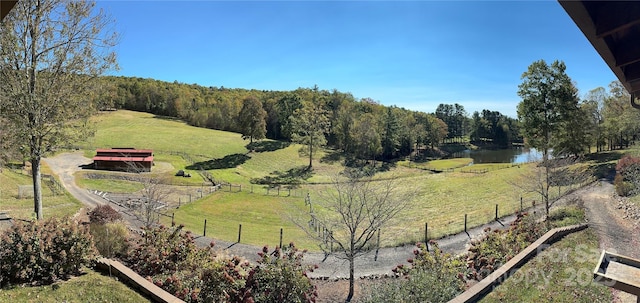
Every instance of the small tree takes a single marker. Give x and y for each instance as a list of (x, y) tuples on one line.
[(252, 119), (351, 214), (549, 101), (310, 125)]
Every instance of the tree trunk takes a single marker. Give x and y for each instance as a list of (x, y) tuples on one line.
[(351, 278), (311, 152), (37, 187)]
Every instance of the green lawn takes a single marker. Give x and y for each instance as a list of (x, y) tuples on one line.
[(90, 287), (261, 217), (562, 273), (52, 205)]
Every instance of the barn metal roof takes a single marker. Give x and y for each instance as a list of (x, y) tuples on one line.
[(613, 28)]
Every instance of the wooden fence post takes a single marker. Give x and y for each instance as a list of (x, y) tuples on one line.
[(465, 223), (239, 232), (426, 235), (496, 212), (173, 222), (204, 232), (521, 204), (280, 237)]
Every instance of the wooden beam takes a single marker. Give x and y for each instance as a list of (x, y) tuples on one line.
[(627, 49), (615, 17)]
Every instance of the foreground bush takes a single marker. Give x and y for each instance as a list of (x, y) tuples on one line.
[(627, 176), (110, 239), (172, 261), (280, 277), (432, 277), (44, 251), (499, 246), (163, 250)]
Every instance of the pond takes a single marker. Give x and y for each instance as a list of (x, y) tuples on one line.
[(510, 155)]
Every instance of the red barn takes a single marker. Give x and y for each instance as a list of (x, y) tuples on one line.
[(126, 159)]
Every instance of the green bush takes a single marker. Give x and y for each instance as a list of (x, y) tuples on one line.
[(432, 277), (280, 277), (163, 250), (111, 239), (44, 251)]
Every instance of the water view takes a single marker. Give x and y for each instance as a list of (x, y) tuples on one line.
[(511, 155)]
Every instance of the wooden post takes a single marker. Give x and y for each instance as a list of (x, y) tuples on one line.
[(278, 191), (521, 204), (280, 237), (289, 192), (179, 201), (426, 235), (189, 198), (465, 223), (378, 238), (496, 212), (229, 187), (239, 232), (240, 187), (204, 232), (173, 222)]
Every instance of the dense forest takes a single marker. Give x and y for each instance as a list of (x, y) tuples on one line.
[(363, 128)]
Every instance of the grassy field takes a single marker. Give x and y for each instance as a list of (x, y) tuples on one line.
[(53, 205), (562, 273), (91, 287)]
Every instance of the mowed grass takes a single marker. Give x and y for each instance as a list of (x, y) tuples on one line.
[(53, 205), (124, 128), (562, 273), (90, 287), (261, 217)]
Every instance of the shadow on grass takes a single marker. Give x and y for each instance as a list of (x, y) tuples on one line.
[(357, 168), (332, 157), (603, 157), (267, 146), (293, 176), (229, 161), (167, 118)]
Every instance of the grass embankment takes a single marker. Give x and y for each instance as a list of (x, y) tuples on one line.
[(441, 200), (53, 205), (91, 287), (562, 273)]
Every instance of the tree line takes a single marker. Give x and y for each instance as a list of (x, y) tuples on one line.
[(362, 128)]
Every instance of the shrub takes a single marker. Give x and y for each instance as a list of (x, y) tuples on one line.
[(162, 250), (627, 176), (226, 281), (280, 277), (499, 246), (44, 251), (432, 277), (111, 239), (103, 214)]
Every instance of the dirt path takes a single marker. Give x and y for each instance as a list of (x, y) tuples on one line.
[(616, 234)]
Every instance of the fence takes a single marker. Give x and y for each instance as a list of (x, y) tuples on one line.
[(425, 230), (264, 190)]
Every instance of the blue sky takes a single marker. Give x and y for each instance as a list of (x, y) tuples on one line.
[(413, 54)]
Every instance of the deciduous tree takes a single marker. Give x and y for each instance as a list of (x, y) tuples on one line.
[(49, 52), (549, 100), (252, 119)]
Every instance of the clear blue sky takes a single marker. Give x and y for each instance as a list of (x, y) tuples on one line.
[(413, 54)]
